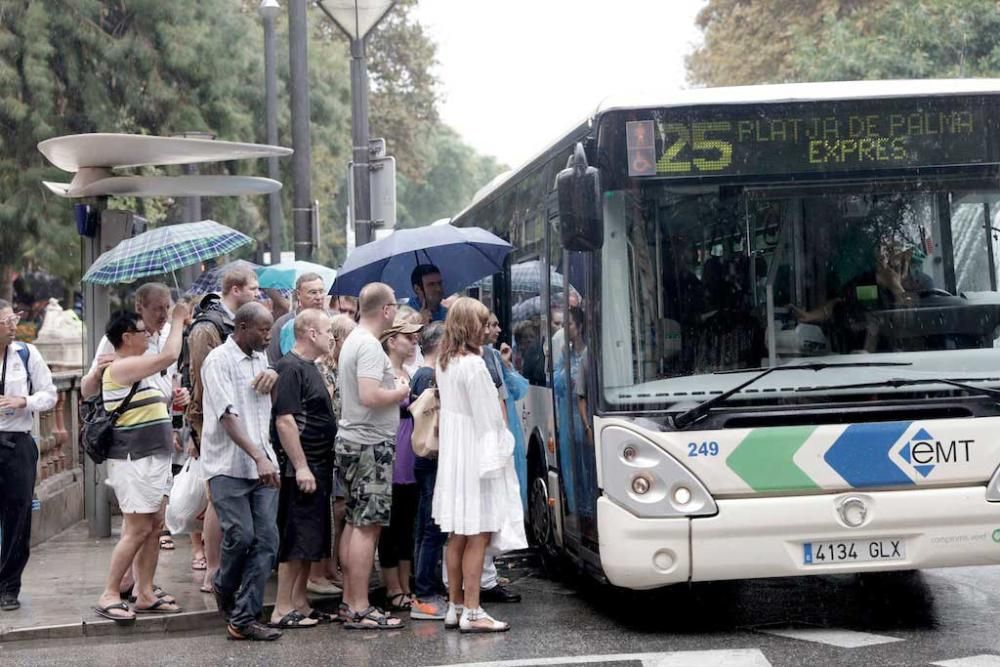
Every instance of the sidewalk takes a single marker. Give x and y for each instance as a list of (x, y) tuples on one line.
[(66, 575)]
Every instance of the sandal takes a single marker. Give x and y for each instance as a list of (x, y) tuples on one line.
[(471, 620), (404, 605), (343, 613), (121, 620), (167, 543), (159, 607), (199, 563), (322, 616), (379, 620), (294, 620)]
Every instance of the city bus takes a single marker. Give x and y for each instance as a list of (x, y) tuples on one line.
[(761, 328)]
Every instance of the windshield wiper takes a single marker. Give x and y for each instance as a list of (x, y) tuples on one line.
[(688, 417), (901, 382)]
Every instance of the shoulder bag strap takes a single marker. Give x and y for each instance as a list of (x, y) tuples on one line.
[(123, 406)]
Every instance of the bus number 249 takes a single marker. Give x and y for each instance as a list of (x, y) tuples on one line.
[(703, 449)]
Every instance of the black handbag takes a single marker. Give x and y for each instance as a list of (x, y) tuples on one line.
[(97, 432)]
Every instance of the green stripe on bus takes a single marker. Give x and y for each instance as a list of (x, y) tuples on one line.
[(764, 459)]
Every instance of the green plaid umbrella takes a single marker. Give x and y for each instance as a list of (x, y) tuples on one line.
[(163, 250)]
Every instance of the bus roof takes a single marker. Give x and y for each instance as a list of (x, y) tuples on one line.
[(759, 94), (803, 92)]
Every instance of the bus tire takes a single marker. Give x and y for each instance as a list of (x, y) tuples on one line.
[(541, 523)]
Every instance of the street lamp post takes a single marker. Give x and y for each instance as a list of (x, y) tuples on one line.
[(268, 12), (357, 18)]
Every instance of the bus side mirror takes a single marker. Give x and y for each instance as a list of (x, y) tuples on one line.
[(581, 216)]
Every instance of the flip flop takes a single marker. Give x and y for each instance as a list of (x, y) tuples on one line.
[(167, 543), (199, 564), (293, 620), (157, 608), (206, 589), (120, 620)]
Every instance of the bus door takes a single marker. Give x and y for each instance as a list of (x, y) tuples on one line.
[(568, 358)]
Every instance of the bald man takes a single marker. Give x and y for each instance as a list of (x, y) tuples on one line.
[(241, 468), (303, 428)]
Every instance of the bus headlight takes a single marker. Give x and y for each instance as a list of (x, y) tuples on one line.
[(647, 481), (993, 490)]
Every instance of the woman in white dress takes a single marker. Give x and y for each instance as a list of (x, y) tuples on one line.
[(476, 497)]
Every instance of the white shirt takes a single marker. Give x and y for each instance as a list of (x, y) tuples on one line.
[(44, 396), (227, 377), (154, 345)]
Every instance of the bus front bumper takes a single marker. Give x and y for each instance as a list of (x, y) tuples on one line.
[(779, 537)]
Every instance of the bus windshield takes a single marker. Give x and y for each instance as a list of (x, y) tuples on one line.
[(730, 277)]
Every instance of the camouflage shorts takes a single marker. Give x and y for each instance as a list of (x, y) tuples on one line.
[(367, 474)]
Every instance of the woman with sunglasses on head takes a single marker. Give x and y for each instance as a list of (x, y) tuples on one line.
[(139, 459)]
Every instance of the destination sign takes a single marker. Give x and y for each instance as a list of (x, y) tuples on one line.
[(747, 140)]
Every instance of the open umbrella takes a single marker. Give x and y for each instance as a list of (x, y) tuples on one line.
[(464, 255), (163, 250), (284, 274)]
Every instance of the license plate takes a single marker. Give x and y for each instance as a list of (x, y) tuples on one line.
[(853, 551)]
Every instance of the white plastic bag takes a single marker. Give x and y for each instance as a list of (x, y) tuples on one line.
[(188, 500)]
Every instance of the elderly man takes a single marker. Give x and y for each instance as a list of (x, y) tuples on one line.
[(25, 388), (365, 449), (309, 293), (304, 428), (241, 469)]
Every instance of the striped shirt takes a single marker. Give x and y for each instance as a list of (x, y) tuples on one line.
[(144, 429), (227, 377)]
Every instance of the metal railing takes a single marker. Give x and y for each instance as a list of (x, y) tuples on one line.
[(57, 431)]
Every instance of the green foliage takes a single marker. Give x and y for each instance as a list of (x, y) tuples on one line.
[(162, 68), (773, 41)]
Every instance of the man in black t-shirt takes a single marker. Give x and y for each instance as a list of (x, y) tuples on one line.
[(303, 428)]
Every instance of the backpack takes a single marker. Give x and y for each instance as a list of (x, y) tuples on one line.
[(209, 312), (25, 354), (97, 431)]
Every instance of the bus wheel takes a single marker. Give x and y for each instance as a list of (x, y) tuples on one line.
[(541, 528)]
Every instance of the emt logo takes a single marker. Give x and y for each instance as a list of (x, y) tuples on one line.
[(924, 452)]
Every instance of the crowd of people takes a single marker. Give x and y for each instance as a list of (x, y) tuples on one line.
[(303, 435)]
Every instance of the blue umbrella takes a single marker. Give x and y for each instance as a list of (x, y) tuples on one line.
[(284, 275), (163, 250), (464, 255)]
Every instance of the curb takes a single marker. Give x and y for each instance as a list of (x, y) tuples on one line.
[(184, 621)]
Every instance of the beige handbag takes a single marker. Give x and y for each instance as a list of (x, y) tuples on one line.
[(425, 411)]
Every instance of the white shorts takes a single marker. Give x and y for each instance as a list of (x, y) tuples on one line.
[(140, 484)]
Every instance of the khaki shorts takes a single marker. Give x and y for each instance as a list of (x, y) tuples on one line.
[(366, 471)]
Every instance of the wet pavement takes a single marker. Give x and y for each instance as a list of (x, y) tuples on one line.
[(942, 617)]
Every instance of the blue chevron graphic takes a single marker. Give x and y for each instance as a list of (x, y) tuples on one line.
[(861, 455)]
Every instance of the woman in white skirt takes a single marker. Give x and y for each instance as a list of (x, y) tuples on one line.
[(476, 497)]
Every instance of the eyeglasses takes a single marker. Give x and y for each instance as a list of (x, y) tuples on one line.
[(11, 320), (143, 331)]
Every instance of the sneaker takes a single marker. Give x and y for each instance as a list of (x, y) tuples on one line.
[(323, 588), (8, 602), (499, 593), (255, 631), (451, 617), (478, 621), (434, 609)]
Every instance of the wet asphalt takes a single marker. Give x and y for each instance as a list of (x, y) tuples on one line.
[(915, 618)]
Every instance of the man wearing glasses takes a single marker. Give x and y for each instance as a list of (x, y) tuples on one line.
[(365, 449), (309, 293), (25, 388)]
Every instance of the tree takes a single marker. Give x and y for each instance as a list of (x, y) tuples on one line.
[(827, 40)]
